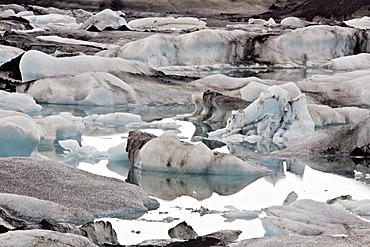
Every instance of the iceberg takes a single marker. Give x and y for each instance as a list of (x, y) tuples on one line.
[(20, 135), (280, 114), (71, 66), (20, 102), (61, 127), (90, 88)]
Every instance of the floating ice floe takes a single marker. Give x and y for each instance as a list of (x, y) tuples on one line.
[(113, 119), (166, 23), (19, 102), (311, 46), (61, 127), (160, 50), (52, 21), (8, 52), (280, 114), (70, 66), (105, 19), (83, 89), (253, 21), (171, 155), (20, 135), (118, 152), (73, 150)]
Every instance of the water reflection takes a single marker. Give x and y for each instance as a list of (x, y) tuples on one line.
[(169, 186)]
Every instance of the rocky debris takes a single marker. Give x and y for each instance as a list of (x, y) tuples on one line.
[(182, 231), (74, 189), (100, 232), (226, 236)]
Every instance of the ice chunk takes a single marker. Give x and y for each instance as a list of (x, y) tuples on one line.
[(70, 66), (279, 114), (75, 151), (8, 52), (20, 135), (160, 50), (167, 153), (118, 152), (61, 127), (84, 89), (19, 102)]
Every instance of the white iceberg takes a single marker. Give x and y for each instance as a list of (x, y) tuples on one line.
[(167, 153), (20, 135), (312, 45), (280, 114), (83, 89), (70, 66), (73, 150), (118, 152), (61, 127), (19, 102), (202, 47)]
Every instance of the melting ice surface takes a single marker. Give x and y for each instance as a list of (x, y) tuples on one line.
[(202, 200)]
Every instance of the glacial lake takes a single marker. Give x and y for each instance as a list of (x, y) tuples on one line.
[(202, 200)]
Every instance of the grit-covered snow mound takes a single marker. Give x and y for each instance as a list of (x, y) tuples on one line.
[(203, 47), (312, 45), (70, 66), (19, 102), (166, 23), (90, 88), (166, 153), (280, 114), (20, 135)]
